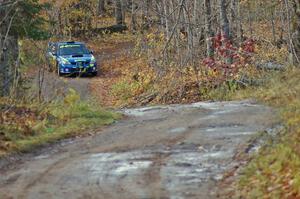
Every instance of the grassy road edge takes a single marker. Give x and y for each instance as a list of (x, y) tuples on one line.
[(274, 171), (26, 126)]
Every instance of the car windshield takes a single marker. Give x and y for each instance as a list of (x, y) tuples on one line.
[(73, 49)]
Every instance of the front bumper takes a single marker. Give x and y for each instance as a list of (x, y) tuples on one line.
[(71, 69)]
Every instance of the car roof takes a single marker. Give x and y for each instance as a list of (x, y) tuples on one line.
[(69, 42)]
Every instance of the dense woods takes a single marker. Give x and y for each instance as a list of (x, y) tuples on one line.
[(219, 34)]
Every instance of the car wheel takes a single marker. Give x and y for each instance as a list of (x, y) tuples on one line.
[(94, 74), (58, 72)]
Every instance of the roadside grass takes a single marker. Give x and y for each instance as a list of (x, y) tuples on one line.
[(274, 171), (28, 125)]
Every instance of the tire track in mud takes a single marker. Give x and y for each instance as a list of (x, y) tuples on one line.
[(153, 174), (44, 174)]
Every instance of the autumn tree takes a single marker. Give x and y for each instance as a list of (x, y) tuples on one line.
[(19, 19)]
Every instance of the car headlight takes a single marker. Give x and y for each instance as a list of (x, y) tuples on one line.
[(93, 60), (64, 61)]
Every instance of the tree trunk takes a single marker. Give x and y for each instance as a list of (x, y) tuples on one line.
[(273, 26), (240, 33), (224, 19), (8, 56), (233, 18), (145, 14), (101, 7), (208, 29), (296, 33), (119, 12), (133, 16), (9, 52), (225, 30)]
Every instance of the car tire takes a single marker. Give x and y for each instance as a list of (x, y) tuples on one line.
[(94, 74), (59, 73)]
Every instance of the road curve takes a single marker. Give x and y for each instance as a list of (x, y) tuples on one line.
[(176, 151), (55, 87)]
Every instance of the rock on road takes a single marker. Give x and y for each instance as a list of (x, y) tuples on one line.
[(176, 151)]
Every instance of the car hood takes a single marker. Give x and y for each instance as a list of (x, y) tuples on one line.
[(77, 58)]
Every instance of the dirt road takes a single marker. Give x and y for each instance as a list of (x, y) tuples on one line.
[(176, 151), (54, 86)]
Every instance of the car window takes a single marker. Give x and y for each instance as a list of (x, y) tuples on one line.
[(73, 49)]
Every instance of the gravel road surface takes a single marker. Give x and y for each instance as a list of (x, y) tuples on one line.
[(175, 151)]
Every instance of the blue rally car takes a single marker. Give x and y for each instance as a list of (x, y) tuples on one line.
[(68, 58)]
